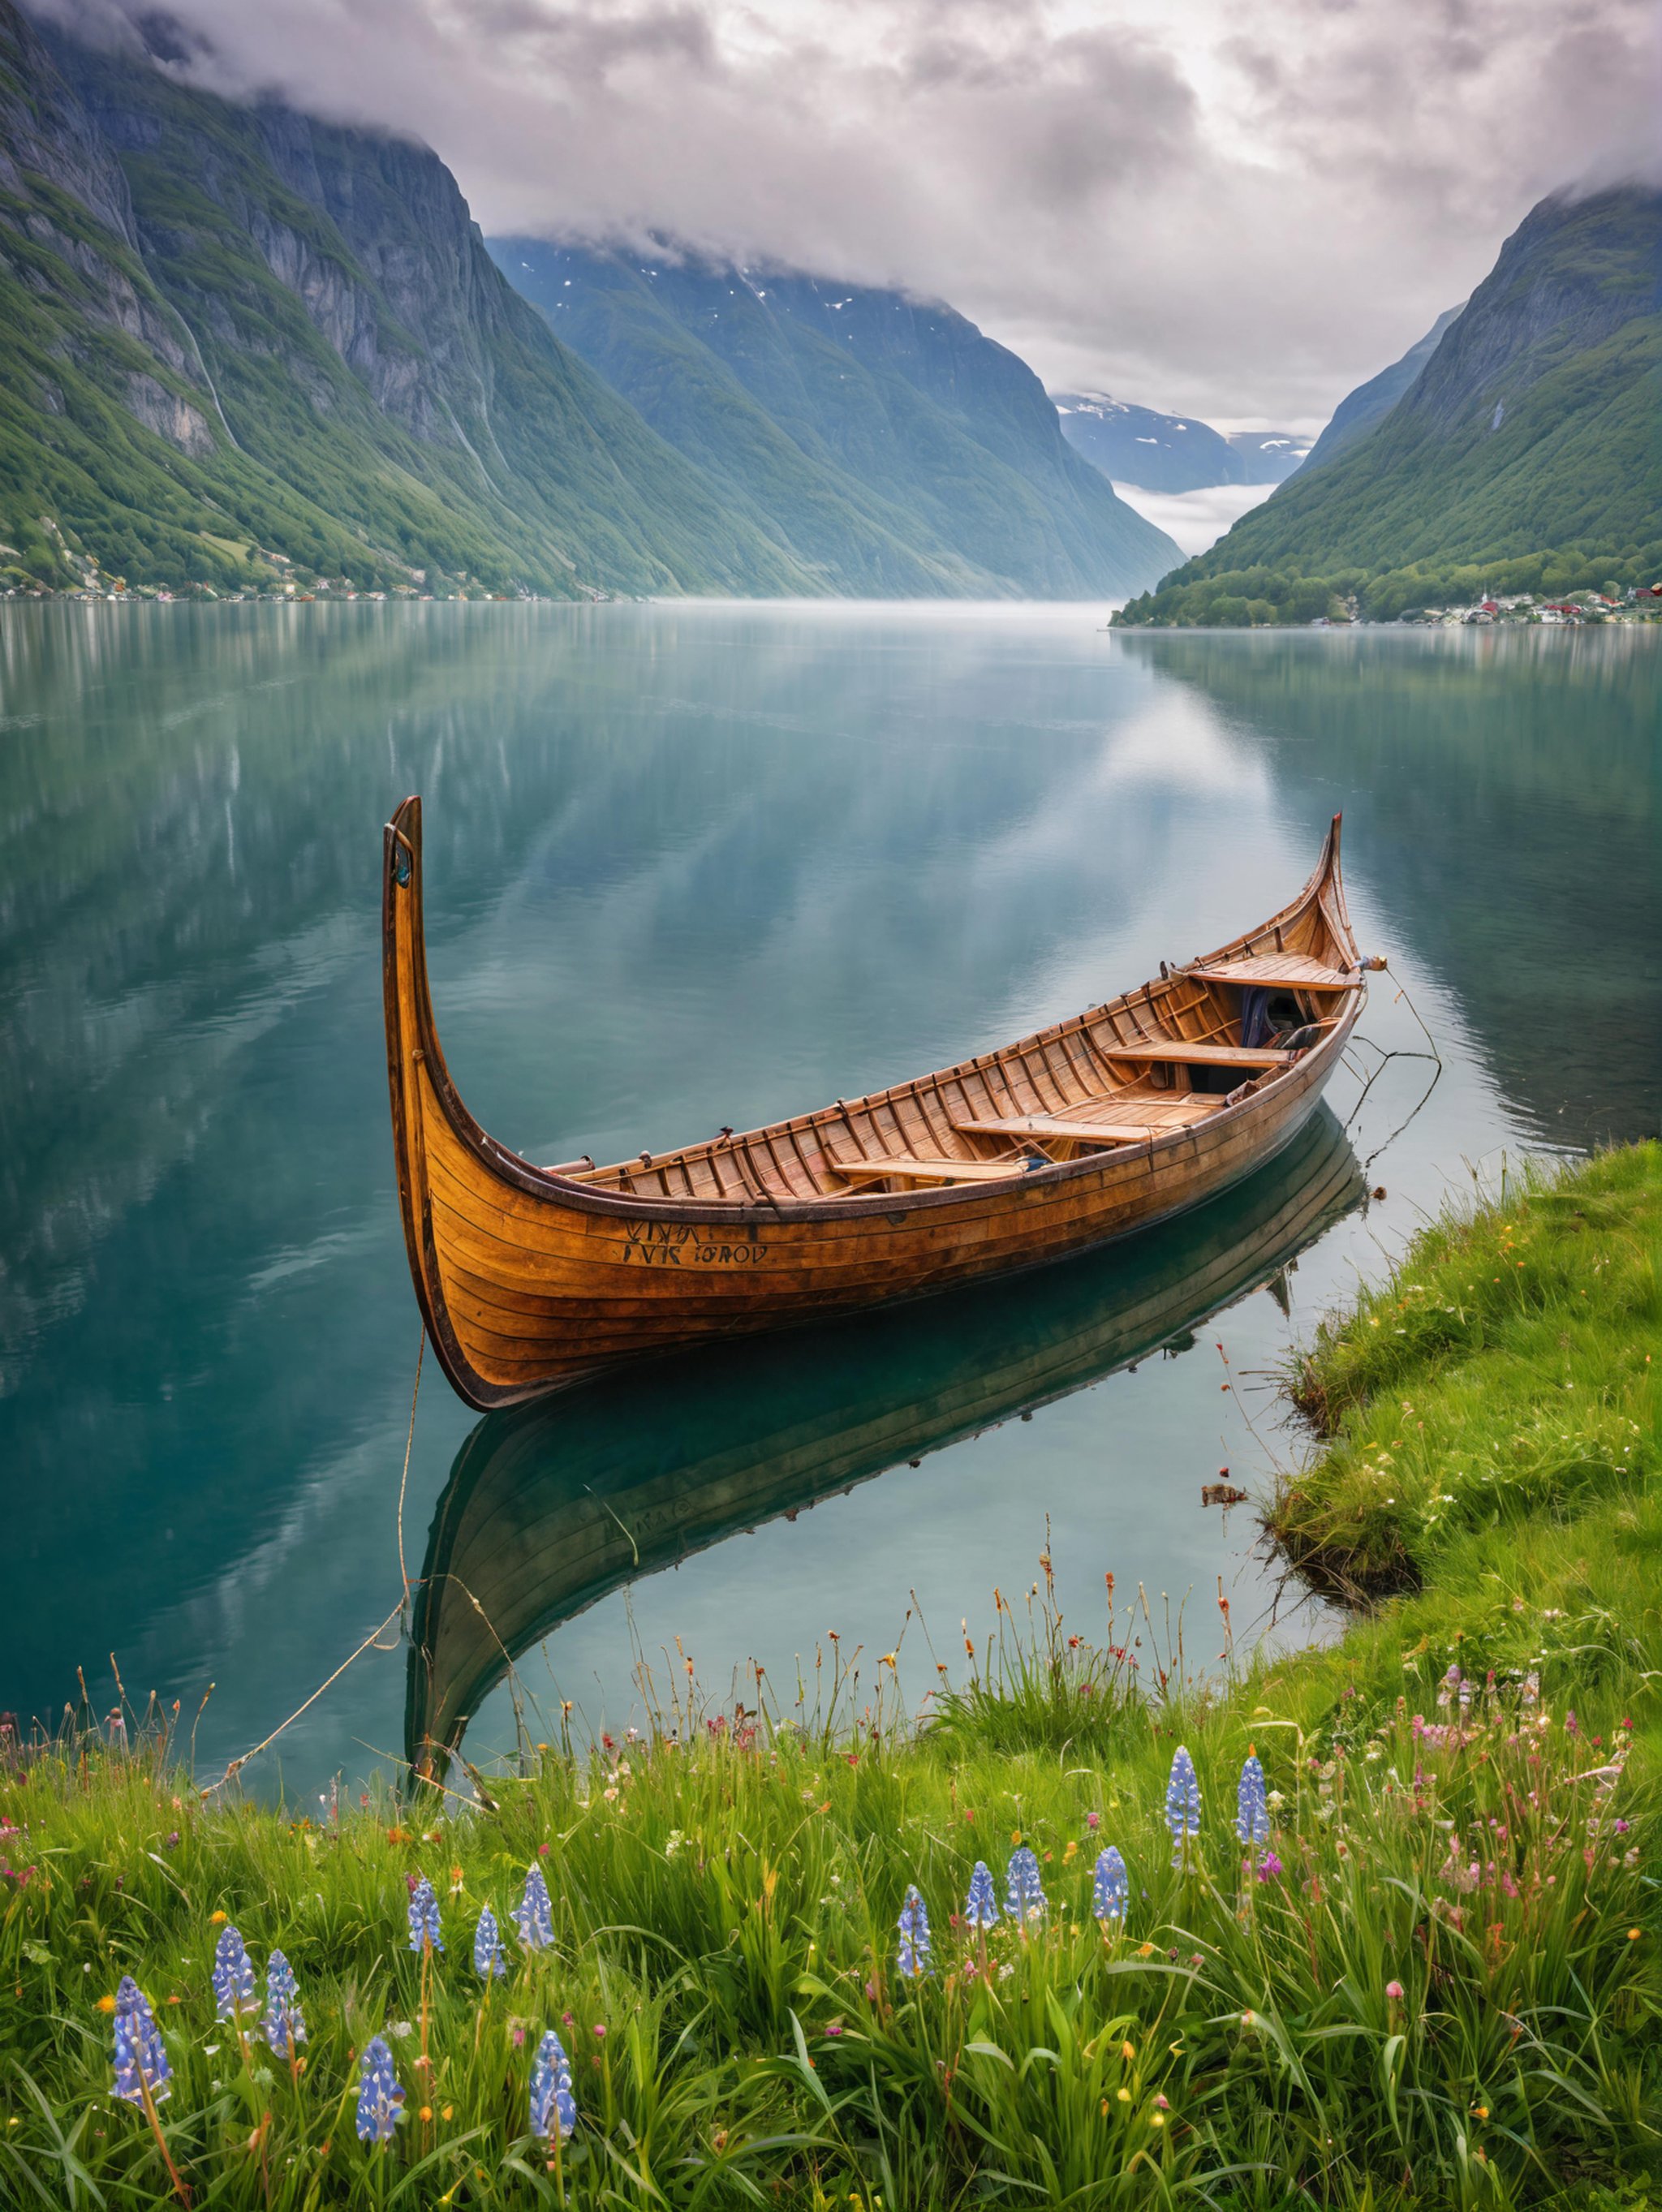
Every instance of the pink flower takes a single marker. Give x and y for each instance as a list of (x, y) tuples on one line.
[(1269, 1866), (1393, 1990), (1094, 1821), (600, 2031)]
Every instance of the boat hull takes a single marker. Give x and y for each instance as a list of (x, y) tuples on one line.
[(553, 1506), (530, 1277)]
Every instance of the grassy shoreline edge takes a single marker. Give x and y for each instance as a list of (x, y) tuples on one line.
[(1434, 1981)]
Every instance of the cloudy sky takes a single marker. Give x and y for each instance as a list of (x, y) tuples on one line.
[(1232, 207)]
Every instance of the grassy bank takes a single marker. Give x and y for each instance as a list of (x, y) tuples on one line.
[(1434, 1981)]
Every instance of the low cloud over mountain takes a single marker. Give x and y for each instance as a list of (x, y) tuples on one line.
[(1170, 204)]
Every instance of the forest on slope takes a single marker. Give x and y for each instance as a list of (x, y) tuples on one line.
[(1523, 456)]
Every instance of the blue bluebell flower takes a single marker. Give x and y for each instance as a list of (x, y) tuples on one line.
[(141, 2063), (380, 2100), (1251, 1807), (553, 2107), (1110, 1890), (914, 1935), (533, 1916), (1024, 1895), (488, 1948), (1182, 1803), (981, 1907), (425, 1917), (283, 2026), (233, 1976)]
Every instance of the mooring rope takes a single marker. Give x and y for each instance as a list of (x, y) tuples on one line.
[(399, 1612), (409, 1442)]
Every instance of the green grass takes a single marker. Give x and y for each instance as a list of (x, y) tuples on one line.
[(1505, 1375), (726, 1889)]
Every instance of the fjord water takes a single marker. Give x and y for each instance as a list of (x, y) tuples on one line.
[(689, 866)]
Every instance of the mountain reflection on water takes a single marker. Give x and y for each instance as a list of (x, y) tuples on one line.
[(552, 1506), (688, 865), (1511, 821)]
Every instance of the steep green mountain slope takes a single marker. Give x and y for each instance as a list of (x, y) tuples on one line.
[(1524, 455), (1370, 403), (236, 342), (883, 439)]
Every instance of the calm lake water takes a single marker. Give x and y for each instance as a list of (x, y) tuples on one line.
[(689, 866)]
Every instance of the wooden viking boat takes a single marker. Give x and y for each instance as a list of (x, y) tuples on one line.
[(529, 1277), (552, 1506)]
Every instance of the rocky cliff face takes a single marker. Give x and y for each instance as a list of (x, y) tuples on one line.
[(1370, 403), (233, 333)]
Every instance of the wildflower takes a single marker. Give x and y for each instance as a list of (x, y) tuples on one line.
[(553, 2107), (141, 2064), (1093, 1821), (1024, 1897), (380, 2100), (533, 1916), (1110, 1890), (600, 2031), (488, 1948), (1182, 1803), (1394, 1991), (283, 2026), (981, 1909), (425, 1917), (1269, 1866), (914, 1961), (233, 1977), (1252, 1808), (106, 2004), (1447, 1686)]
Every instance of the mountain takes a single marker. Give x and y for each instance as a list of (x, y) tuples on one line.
[(1171, 453), (1140, 445), (884, 440), (1369, 402), (240, 342), (1523, 457), (1268, 456), (237, 343)]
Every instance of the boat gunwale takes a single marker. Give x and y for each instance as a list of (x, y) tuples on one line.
[(552, 1188)]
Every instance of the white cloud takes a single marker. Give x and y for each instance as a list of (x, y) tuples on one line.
[(1226, 208), (1195, 519)]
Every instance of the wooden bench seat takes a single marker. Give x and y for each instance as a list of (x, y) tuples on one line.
[(1293, 970), (912, 1169), (1131, 1122), (1180, 1051)]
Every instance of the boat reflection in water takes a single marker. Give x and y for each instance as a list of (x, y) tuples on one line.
[(553, 1506)]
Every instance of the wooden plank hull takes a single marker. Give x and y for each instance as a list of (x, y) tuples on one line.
[(530, 1277), (551, 1507)]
